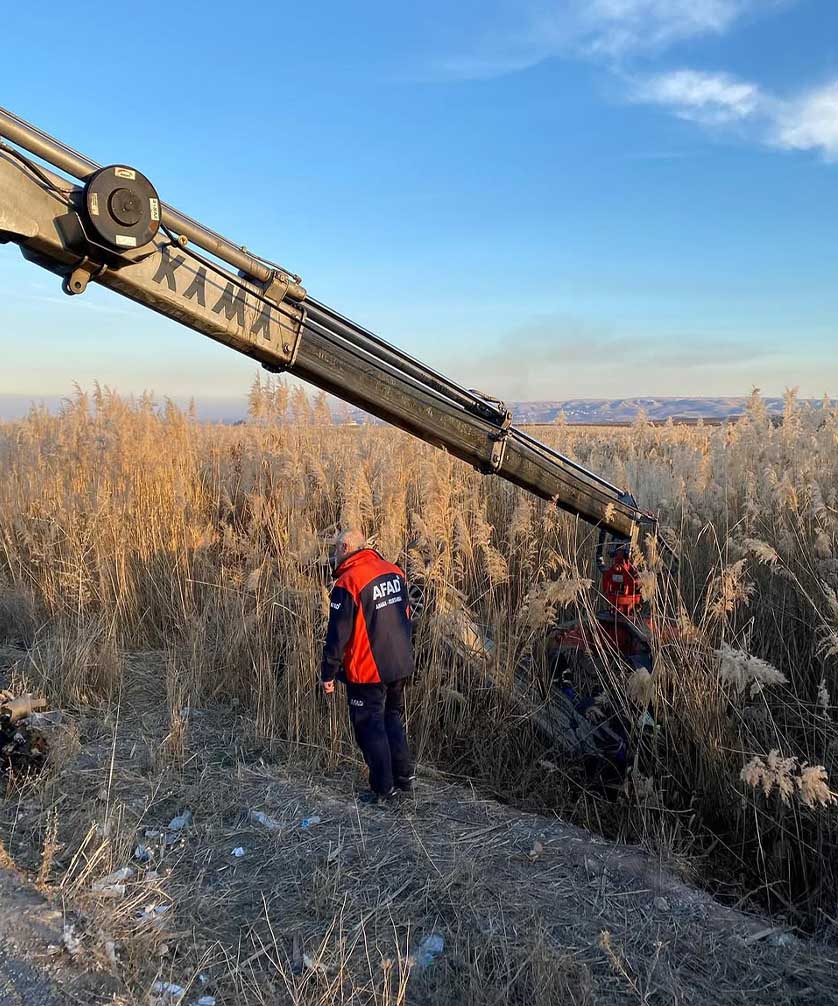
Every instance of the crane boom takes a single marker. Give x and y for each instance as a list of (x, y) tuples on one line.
[(113, 230)]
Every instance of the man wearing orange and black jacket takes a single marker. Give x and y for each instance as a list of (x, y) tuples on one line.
[(369, 648)]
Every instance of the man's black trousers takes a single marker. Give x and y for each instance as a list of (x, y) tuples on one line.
[(377, 716)]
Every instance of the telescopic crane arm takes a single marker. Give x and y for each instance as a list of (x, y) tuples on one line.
[(114, 230)]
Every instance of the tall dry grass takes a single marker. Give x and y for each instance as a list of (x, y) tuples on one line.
[(125, 526)]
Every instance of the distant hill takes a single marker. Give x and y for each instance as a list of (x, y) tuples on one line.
[(619, 411), (624, 410), (579, 411)]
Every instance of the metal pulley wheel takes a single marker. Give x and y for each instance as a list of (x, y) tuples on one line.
[(123, 208)]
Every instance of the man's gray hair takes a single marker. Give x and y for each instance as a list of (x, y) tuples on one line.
[(350, 540)]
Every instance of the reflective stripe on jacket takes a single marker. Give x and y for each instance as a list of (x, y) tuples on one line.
[(369, 636)]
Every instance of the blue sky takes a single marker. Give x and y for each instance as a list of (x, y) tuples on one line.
[(576, 198)]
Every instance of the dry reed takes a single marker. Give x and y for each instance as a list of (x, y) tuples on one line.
[(126, 527)]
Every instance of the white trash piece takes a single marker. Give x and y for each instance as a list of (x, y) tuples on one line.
[(71, 942), (113, 885), (428, 950), (168, 993), (153, 914), (238, 852), (123, 873), (270, 823), (142, 853), (113, 891), (310, 964), (180, 822), (309, 822)]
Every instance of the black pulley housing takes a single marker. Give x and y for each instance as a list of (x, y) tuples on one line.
[(122, 207)]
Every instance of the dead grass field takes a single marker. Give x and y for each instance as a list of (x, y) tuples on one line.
[(531, 909), (160, 581)]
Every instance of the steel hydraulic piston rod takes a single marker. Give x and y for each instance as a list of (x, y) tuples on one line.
[(114, 230)]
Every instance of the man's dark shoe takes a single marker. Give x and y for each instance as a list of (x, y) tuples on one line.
[(406, 783), (372, 798)]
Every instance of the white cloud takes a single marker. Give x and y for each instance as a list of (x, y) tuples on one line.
[(527, 32), (803, 122), (712, 98), (810, 122), (614, 27)]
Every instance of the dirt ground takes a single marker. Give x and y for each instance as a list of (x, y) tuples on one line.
[(29, 926), (327, 901)]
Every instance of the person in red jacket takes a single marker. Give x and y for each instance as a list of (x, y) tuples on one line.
[(369, 648), (620, 583)]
